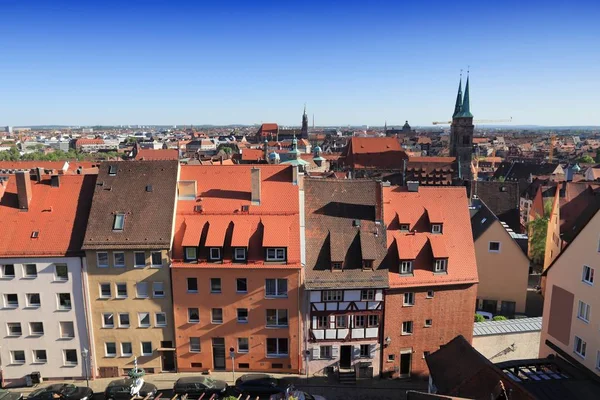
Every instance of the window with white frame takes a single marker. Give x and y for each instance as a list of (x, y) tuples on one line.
[(408, 299), (277, 317), (239, 254), (243, 345), (583, 311), (36, 328), (8, 271), (341, 321), (139, 259), (277, 347), (102, 259), (67, 329), (242, 315), (365, 350), (141, 290), (40, 356), (325, 352), (436, 228), (373, 320), (64, 301), (588, 275), (160, 319), (118, 224), (33, 300), (121, 289), (359, 321), (105, 292), (192, 285), (30, 271), (406, 267), (61, 272), (215, 285), (333, 295), (322, 322), (110, 349), (494, 247), (124, 320), (144, 320), (276, 287), (17, 357), (428, 323), (216, 315), (214, 253), (193, 315), (276, 254), (580, 347), (367, 295), (191, 254), (14, 329), (108, 320), (404, 227), (440, 265), (119, 259), (11, 300), (337, 265), (194, 345), (156, 259), (430, 294), (147, 348), (126, 349), (70, 357), (407, 328), (158, 289)]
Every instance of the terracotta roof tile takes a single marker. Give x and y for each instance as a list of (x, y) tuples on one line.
[(276, 231), (241, 234), (153, 155), (378, 153), (217, 227), (253, 155), (193, 230), (409, 246), (438, 246)]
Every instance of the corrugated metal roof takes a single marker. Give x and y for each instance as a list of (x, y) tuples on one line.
[(509, 326)]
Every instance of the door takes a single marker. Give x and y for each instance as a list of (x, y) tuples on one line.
[(218, 345), (346, 357), (167, 356), (490, 306), (405, 359)]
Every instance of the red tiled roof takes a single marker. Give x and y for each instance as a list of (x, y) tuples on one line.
[(58, 214), (193, 228), (435, 215), (276, 232), (253, 154), (83, 141), (449, 202), (215, 237), (55, 166), (153, 155), (409, 246), (378, 153), (241, 234)]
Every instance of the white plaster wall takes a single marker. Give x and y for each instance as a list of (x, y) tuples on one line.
[(507, 347), (47, 313), (316, 367)]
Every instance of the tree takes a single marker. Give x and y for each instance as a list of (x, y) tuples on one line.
[(587, 159), (499, 318), (538, 229), (479, 318)]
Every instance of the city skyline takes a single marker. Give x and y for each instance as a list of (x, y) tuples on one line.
[(161, 64)]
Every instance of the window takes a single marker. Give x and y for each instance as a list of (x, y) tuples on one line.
[(141, 290), (277, 318), (36, 328), (436, 228), (146, 348), (507, 308), (322, 322), (112, 170), (242, 315), (192, 285), (61, 273), (119, 259), (367, 295), (126, 349), (325, 352), (156, 259), (67, 330), (426, 354), (118, 223), (139, 259), (40, 356), (359, 321), (241, 285), (333, 295), (588, 275), (404, 227), (14, 329), (277, 347), (30, 271), (430, 294), (580, 346), (33, 300), (110, 349), (108, 320), (11, 300), (391, 357), (407, 328), (583, 312), (243, 365), (121, 290), (193, 315), (341, 321), (215, 253), (64, 301), (494, 247), (337, 266), (144, 320), (217, 315), (102, 259), (191, 254), (70, 357), (194, 345), (215, 285), (160, 319), (440, 265), (243, 345), (365, 351), (239, 254), (276, 288), (123, 320), (406, 267), (17, 357), (158, 289), (276, 254), (8, 271), (105, 292), (409, 299), (367, 264), (186, 190), (373, 320), (428, 323)]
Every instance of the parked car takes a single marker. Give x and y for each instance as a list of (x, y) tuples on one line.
[(6, 395), (260, 385), (195, 386), (121, 390), (61, 391), (487, 315)]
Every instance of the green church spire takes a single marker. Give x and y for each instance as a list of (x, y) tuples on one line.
[(466, 109), (458, 105)]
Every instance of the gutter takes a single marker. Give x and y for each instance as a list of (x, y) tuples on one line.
[(87, 312)]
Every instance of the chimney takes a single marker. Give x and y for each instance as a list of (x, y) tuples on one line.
[(413, 186), (54, 181), (39, 173), (23, 189), (255, 181)]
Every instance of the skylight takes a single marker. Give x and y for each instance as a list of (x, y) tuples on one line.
[(119, 222), (112, 170)]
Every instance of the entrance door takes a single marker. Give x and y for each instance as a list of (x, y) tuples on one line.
[(218, 345), (405, 364), (346, 357), (167, 356)]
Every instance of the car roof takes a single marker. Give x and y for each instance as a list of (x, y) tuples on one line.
[(191, 379), (120, 382), (254, 377)]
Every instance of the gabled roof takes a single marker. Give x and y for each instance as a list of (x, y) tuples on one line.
[(502, 198), (153, 155), (144, 191), (516, 171), (482, 218), (374, 153), (58, 214)]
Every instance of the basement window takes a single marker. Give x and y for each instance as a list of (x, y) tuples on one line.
[(119, 222)]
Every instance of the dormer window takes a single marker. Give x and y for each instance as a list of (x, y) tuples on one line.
[(440, 265), (337, 266), (436, 228), (404, 227), (275, 254), (190, 254), (239, 254), (367, 264), (406, 267), (119, 222), (214, 253)]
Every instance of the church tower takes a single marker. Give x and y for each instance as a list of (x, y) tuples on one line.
[(461, 133), (304, 132)]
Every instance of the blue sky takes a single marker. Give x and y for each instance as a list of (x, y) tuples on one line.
[(224, 62)]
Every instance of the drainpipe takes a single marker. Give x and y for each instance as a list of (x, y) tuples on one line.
[(87, 312)]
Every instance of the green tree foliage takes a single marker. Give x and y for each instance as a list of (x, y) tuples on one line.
[(538, 229), (479, 318), (587, 159), (58, 155), (499, 318)]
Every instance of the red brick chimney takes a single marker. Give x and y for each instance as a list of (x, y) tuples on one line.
[(23, 189)]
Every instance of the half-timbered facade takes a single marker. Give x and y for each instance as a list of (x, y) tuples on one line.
[(345, 276)]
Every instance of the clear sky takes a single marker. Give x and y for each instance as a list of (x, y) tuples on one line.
[(351, 62)]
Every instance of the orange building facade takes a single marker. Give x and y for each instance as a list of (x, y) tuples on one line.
[(236, 269)]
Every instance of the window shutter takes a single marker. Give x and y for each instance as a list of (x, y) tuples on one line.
[(356, 352), (315, 352), (372, 348), (335, 351)]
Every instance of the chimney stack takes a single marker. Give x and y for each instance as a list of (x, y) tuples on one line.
[(54, 181), (255, 180), (295, 174), (413, 186), (23, 189)]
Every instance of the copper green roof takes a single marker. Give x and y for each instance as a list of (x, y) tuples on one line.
[(466, 108), (458, 105)]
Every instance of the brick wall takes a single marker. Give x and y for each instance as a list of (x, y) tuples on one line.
[(451, 310)]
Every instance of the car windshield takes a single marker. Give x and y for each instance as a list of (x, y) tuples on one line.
[(3, 393), (208, 382), (68, 389)]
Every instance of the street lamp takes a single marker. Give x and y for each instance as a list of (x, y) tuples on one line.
[(84, 353)]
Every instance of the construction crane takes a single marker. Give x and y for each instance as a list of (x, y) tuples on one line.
[(478, 121), (551, 153)]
